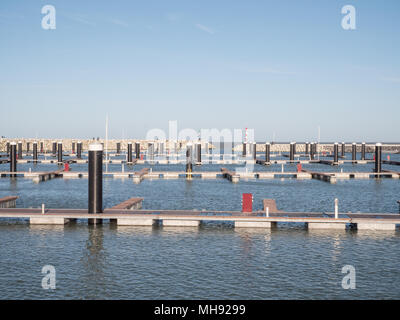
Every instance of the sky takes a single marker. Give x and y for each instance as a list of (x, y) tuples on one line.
[(283, 68)]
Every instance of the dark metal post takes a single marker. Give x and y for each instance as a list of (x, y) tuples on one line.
[(60, 152), (118, 147), (137, 150), (73, 147), (307, 148), (19, 150), (343, 149), (8, 148), (267, 152), (27, 146), (129, 159), (41, 147), (336, 153), (363, 151), (79, 150), (198, 152), (291, 155), (254, 151), (54, 148), (35, 152), (378, 158), (95, 181), (13, 158), (312, 151), (189, 160), (354, 151), (244, 149)]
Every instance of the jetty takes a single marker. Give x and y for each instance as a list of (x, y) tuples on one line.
[(128, 213)]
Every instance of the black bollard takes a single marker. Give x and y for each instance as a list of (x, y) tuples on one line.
[(363, 151), (95, 181), (189, 160), (41, 147), (312, 151), (28, 146), (137, 150), (118, 147), (19, 150), (291, 155), (267, 152), (60, 153), (354, 152), (336, 153), (378, 158), (13, 158), (244, 149), (54, 148), (343, 149), (254, 151), (129, 155), (307, 150), (35, 152), (73, 147), (8, 148), (198, 152), (79, 150)]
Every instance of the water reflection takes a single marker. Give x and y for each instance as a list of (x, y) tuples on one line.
[(94, 262), (253, 237)]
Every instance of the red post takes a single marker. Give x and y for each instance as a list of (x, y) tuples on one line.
[(388, 157), (299, 167), (247, 202), (66, 166)]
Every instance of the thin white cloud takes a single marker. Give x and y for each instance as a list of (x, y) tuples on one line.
[(81, 19), (118, 22), (204, 28)]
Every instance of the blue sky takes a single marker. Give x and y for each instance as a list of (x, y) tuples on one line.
[(281, 67)]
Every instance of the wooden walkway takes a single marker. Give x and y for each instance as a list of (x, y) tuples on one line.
[(131, 204), (8, 202)]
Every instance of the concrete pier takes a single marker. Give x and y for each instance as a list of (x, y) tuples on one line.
[(48, 220), (329, 225), (180, 223), (375, 226), (253, 224), (135, 222)]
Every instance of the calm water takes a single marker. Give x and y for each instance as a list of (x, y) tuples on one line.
[(214, 261)]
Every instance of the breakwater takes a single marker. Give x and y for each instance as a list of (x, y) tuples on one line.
[(180, 145)]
